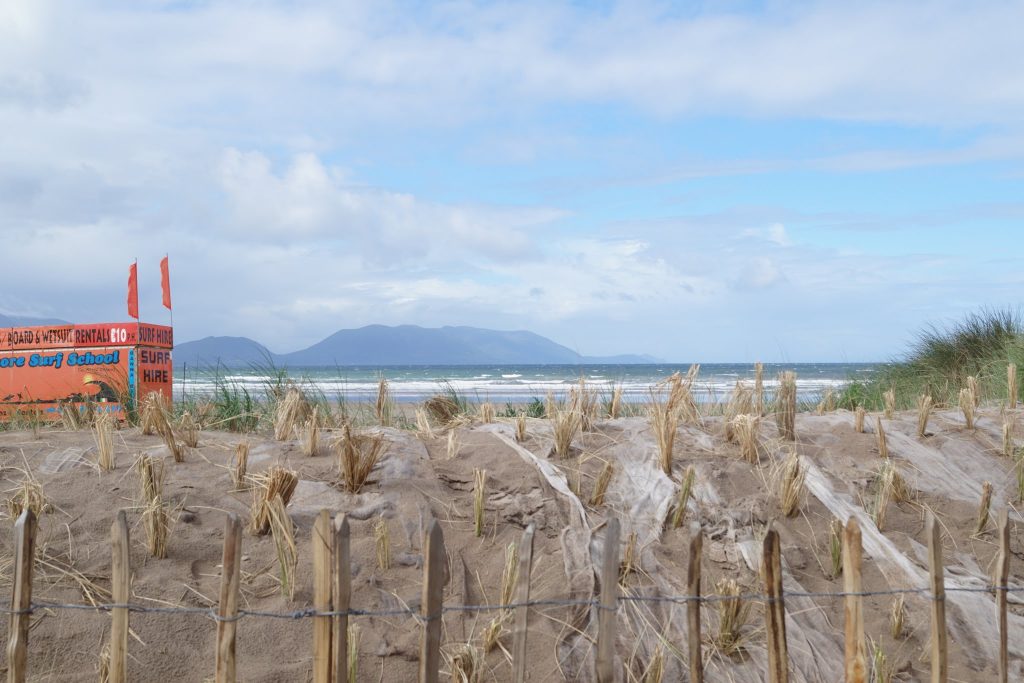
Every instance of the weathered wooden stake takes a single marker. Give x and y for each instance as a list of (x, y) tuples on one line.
[(1002, 579), (342, 596), (693, 606), (522, 611), (939, 669), (322, 597), (434, 569), (856, 659), (775, 610), (21, 599), (227, 610), (120, 578), (608, 605)]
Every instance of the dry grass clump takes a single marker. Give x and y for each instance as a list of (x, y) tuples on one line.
[(680, 400), (759, 389), (898, 617), (156, 417), (384, 407), (585, 402), (311, 434), (382, 543), (453, 445), (664, 422), (27, 496), (550, 405), (275, 482), (156, 520), (487, 413), (890, 403), (741, 402), (733, 615), (241, 463), (858, 419), (893, 480), (153, 405), (479, 494), (283, 531), (70, 417), (835, 546), (358, 455), (423, 427), (883, 445), (565, 424), (924, 411), (601, 484), (790, 484), (1011, 386), (889, 486), (984, 506), (745, 429), (520, 428), (685, 490), (467, 664), (881, 670), (968, 405), (655, 671), (785, 405), (291, 412), (615, 405), (103, 432), (151, 478), (827, 403), (189, 430), (442, 408), (972, 384), (509, 577)]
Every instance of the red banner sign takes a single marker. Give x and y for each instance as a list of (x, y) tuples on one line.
[(84, 336)]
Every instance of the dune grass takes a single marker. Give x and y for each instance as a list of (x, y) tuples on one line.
[(941, 359)]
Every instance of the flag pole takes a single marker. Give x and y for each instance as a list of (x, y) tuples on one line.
[(171, 307)]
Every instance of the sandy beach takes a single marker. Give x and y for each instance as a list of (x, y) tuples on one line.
[(416, 480)]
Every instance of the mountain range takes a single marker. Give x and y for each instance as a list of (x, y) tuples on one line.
[(383, 345), (400, 345)]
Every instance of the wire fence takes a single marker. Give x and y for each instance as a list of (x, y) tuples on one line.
[(211, 612)]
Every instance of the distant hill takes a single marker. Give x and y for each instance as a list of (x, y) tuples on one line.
[(401, 345), (25, 321), (230, 351)]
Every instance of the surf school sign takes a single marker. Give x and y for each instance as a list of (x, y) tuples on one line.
[(102, 366)]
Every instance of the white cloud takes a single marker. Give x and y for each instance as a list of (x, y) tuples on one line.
[(311, 201)]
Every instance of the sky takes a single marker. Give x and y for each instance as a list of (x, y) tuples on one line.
[(699, 181)]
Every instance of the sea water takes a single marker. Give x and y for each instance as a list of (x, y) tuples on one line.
[(512, 383)]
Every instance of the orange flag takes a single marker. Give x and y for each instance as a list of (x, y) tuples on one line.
[(165, 282), (133, 291)]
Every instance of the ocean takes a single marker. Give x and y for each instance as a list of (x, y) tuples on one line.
[(513, 383)]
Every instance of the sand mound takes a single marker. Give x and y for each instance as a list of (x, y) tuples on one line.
[(415, 482)]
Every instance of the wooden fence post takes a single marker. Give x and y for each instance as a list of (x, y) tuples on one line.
[(522, 611), (608, 606), (775, 610), (120, 577), (21, 598), (227, 610), (939, 669), (693, 606), (322, 597), (434, 568), (1002, 579), (342, 596), (856, 661)]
